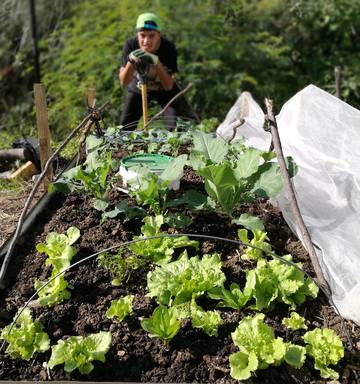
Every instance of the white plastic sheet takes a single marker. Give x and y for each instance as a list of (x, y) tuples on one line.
[(245, 108), (322, 134)]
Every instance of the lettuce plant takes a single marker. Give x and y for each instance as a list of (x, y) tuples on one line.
[(295, 321), (162, 324), (78, 352), (185, 279), (229, 298), (275, 280), (259, 241), (58, 248), (209, 321), (25, 338), (326, 348), (259, 348), (60, 252), (120, 308), (159, 250), (55, 292)]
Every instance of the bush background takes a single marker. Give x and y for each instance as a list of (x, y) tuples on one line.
[(272, 48)]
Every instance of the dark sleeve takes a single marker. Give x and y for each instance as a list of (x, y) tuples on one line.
[(172, 64), (128, 47), (168, 55)]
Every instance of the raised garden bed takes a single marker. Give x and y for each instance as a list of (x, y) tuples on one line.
[(191, 355)]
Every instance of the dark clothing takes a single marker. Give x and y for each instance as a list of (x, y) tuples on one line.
[(132, 111), (167, 55)]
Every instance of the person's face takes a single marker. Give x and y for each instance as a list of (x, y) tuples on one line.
[(149, 41)]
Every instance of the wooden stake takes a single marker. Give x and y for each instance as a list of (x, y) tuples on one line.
[(337, 81), (290, 194), (144, 105), (91, 97), (43, 130)]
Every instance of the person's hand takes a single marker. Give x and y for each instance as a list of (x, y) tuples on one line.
[(149, 58), (135, 56)]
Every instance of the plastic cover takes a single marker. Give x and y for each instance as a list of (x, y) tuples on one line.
[(322, 134)]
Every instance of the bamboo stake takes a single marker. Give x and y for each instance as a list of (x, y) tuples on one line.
[(289, 190), (43, 131)]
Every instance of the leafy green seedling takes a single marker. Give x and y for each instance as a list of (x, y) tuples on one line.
[(123, 208), (294, 322), (162, 324), (120, 308), (78, 352), (275, 280), (119, 265), (152, 189), (25, 338), (159, 250), (60, 252), (55, 292), (326, 348), (232, 298), (177, 220), (249, 221), (258, 241), (59, 248), (185, 279), (209, 321), (194, 200), (259, 348)]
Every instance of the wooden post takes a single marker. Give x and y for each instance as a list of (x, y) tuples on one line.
[(91, 97), (43, 130)]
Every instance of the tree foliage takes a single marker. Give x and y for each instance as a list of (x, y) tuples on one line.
[(272, 48)]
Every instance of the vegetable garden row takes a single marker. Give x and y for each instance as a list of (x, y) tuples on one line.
[(146, 283)]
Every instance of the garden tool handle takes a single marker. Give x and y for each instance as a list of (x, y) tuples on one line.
[(144, 104)]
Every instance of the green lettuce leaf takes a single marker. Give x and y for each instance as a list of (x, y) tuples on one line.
[(209, 321), (120, 308), (242, 365), (78, 352), (253, 335), (25, 338), (326, 348), (295, 321), (185, 279), (162, 324)]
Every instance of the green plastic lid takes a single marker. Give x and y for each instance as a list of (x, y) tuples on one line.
[(154, 162)]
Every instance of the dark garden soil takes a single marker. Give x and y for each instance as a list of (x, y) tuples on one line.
[(192, 356)]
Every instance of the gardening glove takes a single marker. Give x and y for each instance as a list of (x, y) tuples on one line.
[(135, 56), (149, 58)]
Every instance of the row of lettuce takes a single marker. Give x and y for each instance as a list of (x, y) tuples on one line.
[(233, 174)]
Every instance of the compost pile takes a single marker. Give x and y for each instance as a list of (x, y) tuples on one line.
[(194, 350)]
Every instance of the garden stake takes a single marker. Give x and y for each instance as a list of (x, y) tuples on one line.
[(291, 196), (322, 283), (32, 193)]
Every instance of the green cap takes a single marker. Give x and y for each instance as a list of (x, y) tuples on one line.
[(148, 21)]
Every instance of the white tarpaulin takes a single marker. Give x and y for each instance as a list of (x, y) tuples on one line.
[(322, 134)]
